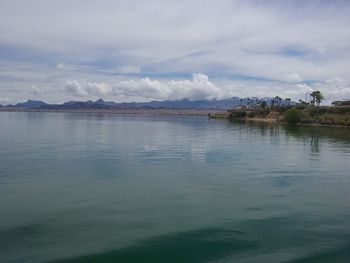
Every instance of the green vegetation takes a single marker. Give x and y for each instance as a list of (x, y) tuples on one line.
[(285, 111), (255, 113), (317, 97), (238, 115), (319, 115), (292, 115), (281, 110), (263, 104)]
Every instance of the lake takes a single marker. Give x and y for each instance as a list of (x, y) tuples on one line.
[(78, 187)]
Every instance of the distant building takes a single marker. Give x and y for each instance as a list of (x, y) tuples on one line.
[(341, 103)]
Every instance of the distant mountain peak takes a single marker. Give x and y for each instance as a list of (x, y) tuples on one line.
[(100, 101), (31, 104), (185, 103)]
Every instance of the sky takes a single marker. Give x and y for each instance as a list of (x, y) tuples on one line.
[(159, 49)]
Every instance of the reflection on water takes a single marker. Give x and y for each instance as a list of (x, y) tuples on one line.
[(338, 136), (107, 188)]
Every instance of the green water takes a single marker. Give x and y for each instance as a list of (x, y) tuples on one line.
[(113, 188)]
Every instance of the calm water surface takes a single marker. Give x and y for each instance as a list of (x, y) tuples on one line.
[(109, 188)]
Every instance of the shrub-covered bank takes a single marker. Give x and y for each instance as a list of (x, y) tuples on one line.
[(334, 116), (318, 115)]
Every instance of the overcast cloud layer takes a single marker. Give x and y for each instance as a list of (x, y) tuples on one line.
[(155, 50)]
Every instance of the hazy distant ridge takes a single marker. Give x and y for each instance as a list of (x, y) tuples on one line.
[(168, 104)]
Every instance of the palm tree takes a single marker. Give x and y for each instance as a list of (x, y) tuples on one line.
[(273, 102), (317, 97), (249, 101), (287, 100), (278, 100), (313, 96)]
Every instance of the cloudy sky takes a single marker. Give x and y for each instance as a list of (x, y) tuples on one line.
[(155, 50)]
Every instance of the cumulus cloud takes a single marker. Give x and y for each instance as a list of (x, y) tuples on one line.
[(294, 77), (334, 89), (199, 87), (283, 44), (84, 88), (57, 86)]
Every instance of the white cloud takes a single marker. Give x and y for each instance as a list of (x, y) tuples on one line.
[(62, 66), (302, 41), (336, 81), (76, 88), (36, 89), (56, 86), (334, 89), (84, 88), (4, 100), (294, 77), (199, 87)]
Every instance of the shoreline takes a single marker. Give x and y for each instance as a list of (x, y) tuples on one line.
[(323, 125), (267, 120), (181, 112), (330, 117), (274, 121), (211, 113)]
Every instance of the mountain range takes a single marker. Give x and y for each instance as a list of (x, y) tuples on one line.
[(167, 104)]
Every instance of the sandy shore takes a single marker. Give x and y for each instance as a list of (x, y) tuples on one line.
[(269, 120)]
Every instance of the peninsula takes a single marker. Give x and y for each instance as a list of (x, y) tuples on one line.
[(284, 111)]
